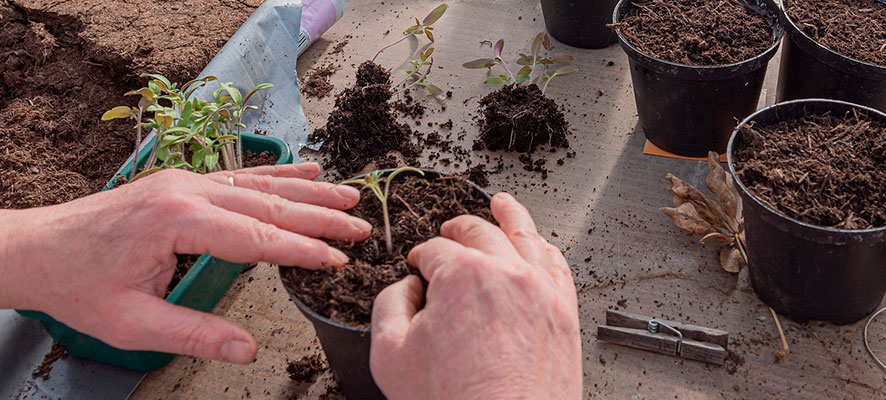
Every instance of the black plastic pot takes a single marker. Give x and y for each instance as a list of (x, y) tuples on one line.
[(347, 347), (580, 23), (810, 70), (803, 271), (690, 110)]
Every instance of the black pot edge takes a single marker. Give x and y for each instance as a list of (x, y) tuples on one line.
[(777, 30), (314, 315), (791, 29), (729, 159)]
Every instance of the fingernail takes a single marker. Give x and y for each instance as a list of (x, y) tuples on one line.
[(338, 256), (237, 351), (308, 167), (360, 224), (347, 192)]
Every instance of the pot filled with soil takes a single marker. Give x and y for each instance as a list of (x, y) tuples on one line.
[(338, 301), (697, 66), (835, 49), (812, 178), (579, 23)]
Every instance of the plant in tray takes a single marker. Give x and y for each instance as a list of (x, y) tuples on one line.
[(519, 116)]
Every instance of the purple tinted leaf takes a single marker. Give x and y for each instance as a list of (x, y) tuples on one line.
[(435, 14), (499, 45), (524, 60), (479, 64), (526, 70), (536, 44), (561, 58), (547, 42), (567, 73)]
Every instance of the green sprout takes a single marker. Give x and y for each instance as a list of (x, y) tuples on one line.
[(420, 27), (421, 78), (373, 181), (191, 133), (528, 62)]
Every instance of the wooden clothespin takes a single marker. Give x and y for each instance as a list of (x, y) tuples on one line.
[(665, 337)]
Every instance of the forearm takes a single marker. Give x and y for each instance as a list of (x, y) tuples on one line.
[(18, 236)]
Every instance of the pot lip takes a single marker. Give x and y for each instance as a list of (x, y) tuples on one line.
[(777, 32), (794, 29), (731, 148), (316, 316)]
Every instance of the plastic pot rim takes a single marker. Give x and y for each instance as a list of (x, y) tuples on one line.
[(313, 314), (777, 33), (791, 29), (760, 203)]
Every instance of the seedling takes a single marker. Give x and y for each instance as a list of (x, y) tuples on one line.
[(421, 27), (420, 78), (540, 54), (373, 181), (207, 130)]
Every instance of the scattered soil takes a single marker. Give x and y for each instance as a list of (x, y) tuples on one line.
[(258, 160), (362, 130), (316, 82), (826, 170), (854, 28), (520, 118), (56, 353), (345, 295), (696, 32), (340, 46), (408, 107), (308, 368), (479, 175)]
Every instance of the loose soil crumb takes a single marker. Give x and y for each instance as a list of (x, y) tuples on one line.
[(258, 160), (408, 107), (479, 175), (340, 46), (696, 32), (308, 368), (854, 28), (362, 129), (520, 118), (316, 82), (57, 352), (417, 208), (826, 170)]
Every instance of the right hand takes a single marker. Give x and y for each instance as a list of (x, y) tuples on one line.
[(500, 318)]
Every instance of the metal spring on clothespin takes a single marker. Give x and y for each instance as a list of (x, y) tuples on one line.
[(653, 325)]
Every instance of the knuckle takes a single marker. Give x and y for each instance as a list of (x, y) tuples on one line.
[(172, 204), (525, 234), (264, 183), (263, 233), (277, 207)]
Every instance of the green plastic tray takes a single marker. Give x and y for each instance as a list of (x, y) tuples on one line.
[(199, 289)]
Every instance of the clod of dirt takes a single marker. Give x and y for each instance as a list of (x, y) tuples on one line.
[(316, 82), (479, 175), (520, 118), (417, 209), (854, 28), (57, 352), (826, 170), (696, 32), (408, 107), (308, 368), (340, 46)]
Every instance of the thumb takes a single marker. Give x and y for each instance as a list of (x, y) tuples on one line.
[(392, 313), (158, 325)]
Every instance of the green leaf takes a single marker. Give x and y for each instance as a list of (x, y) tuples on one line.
[(526, 70), (480, 64), (435, 91), (524, 60), (211, 160), (144, 92), (411, 29), (566, 73), (494, 79), (434, 15), (258, 87), (429, 35), (521, 78), (117, 112), (426, 54), (159, 80)]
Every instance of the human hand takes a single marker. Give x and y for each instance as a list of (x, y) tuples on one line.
[(500, 318), (101, 264)]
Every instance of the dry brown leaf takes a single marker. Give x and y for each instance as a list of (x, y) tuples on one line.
[(731, 259), (720, 183), (716, 235), (687, 218), (684, 193)]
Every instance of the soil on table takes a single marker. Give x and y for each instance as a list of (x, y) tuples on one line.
[(56, 353), (826, 170), (308, 368), (362, 129), (316, 82), (417, 208), (854, 28), (520, 118), (696, 32)]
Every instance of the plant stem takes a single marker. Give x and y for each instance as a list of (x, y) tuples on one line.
[(508, 70), (388, 241), (138, 143), (393, 44)]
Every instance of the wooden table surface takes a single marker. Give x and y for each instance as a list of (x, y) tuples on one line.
[(600, 207)]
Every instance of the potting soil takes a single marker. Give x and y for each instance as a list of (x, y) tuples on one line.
[(418, 207), (696, 32), (520, 118), (854, 28), (826, 170)]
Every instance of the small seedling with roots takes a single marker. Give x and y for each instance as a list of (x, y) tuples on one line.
[(205, 130), (373, 181), (540, 54), (421, 78), (421, 27)]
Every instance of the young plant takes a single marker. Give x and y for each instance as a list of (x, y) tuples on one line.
[(421, 78), (540, 55), (421, 27), (204, 130), (373, 181)]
